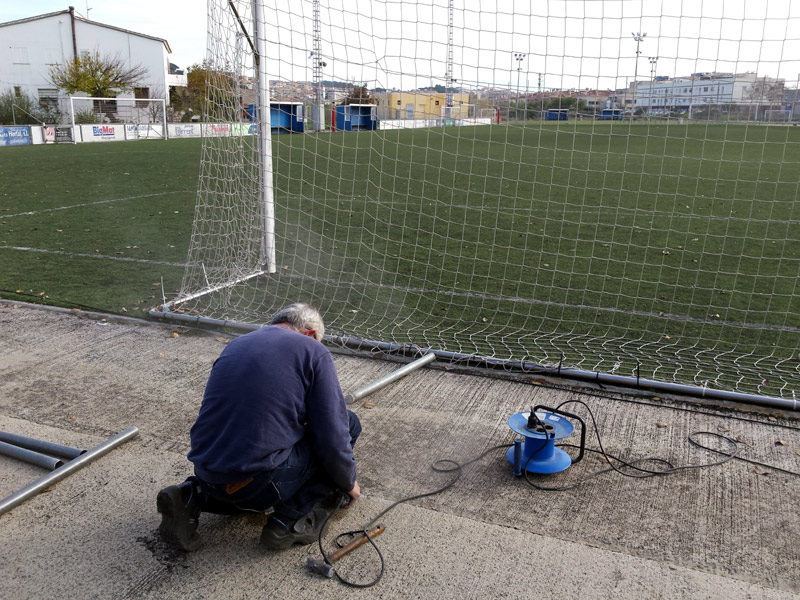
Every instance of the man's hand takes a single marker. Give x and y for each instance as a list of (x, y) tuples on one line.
[(354, 494)]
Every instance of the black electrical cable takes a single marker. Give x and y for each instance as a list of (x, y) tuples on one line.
[(635, 465), (456, 468)]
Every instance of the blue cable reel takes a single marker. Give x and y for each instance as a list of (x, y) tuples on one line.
[(536, 451)]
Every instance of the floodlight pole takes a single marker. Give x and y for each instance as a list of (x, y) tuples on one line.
[(266, 198), (449, 82), (519, 57), (318, 116), (639, 37), (653, 61)]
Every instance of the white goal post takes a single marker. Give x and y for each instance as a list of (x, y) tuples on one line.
[(145, 118)]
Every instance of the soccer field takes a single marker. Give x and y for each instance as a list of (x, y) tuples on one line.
[(602, 243)]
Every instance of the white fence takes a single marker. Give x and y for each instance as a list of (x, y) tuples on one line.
[(36, 134)]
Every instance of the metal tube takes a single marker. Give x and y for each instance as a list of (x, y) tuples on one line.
[(60, 473), (381, 382), (266, 198), (476, 360), (40, 445), (29, 456)]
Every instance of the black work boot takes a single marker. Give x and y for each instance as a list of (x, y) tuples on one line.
[(179, 516), (280, 533)]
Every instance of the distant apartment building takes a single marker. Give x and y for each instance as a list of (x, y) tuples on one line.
[(690, 93)]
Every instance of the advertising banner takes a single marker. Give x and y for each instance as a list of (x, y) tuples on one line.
[(58, 135), (102, 133), (184, 130), (15, 136)]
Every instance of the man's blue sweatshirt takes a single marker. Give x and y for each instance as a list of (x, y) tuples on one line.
[(268, 390)]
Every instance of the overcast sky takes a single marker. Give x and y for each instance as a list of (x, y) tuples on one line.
[(402, 43)]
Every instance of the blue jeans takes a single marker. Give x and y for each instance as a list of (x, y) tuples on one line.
[(292, 488)]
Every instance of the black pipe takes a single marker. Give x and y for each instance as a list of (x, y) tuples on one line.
[(50, 448), (74, 38), (29, 456)]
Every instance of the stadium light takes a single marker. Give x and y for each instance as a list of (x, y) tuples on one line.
[(639, 38)]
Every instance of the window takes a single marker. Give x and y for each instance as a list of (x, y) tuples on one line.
[(141, 92), (48, 98), (437, 103), (19, 55), (398, 103), (17, 91)]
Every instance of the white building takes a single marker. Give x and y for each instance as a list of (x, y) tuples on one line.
[(690, 93), (30, 46)]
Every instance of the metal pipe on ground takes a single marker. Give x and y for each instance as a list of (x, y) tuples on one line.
[(381, 382), (68, 468), (29, 456), (42, 446), (475, 360)]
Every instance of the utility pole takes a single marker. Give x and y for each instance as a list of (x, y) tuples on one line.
[(519, 57), (448, 90), (653, 60), (316, 70), (639, 38)]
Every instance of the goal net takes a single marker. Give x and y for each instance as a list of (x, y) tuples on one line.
[(667, 250), (778, 116)]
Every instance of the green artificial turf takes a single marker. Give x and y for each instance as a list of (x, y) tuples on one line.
[(584, 229)]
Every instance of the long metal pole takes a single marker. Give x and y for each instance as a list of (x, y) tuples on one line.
[(382, 382), (42, 446), (266, 199), (29, 456), (60, 473), (474, 360)]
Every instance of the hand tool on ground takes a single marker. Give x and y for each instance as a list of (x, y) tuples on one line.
[(325, 568)]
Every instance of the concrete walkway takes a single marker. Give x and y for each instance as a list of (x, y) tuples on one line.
[(727, 531)]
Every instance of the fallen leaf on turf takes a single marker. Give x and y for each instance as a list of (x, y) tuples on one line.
[(369, 405), (353, 311), (780, 442), (19, 291), (484, 319), (40, 294), (59, 230), (772, 419), (123, 309)]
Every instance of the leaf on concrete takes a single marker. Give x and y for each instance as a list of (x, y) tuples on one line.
[(369, 405)]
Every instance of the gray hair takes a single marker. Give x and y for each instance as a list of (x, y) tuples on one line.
[(299, 316)]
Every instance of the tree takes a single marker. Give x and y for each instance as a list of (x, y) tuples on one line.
[(18, 108), (99, 76), (208, 91), (359, 95)]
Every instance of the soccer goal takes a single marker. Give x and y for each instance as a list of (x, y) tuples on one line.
[(777, 116), (633, 250)]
